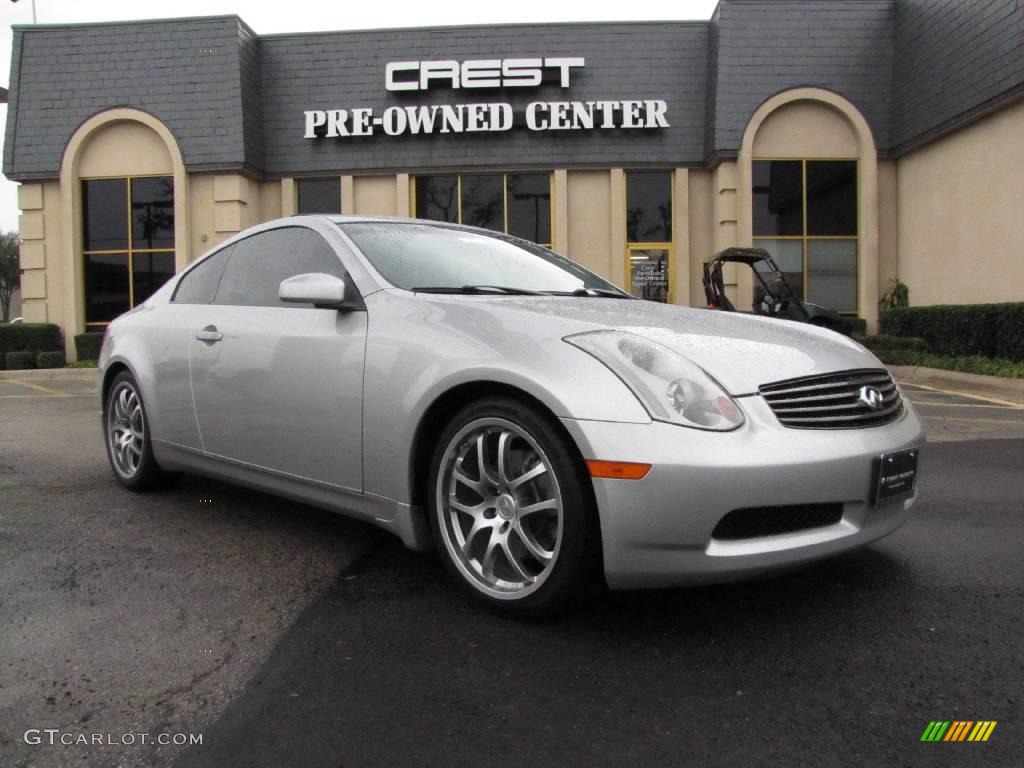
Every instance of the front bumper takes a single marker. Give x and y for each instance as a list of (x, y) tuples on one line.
[(657, 531)]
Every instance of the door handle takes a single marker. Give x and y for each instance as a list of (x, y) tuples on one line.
[(210, 335)]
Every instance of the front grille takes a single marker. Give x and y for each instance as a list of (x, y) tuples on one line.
[(769, 521), (833, 400)]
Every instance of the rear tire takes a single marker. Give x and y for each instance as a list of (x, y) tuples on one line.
[(511, 508), (127, 437)]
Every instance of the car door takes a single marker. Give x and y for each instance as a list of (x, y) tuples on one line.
[(279, 386), (168, 342)]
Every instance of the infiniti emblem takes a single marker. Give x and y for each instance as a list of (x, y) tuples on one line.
[(870, 398)]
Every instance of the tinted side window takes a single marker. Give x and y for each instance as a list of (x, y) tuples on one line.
[(199, 286), (259, 263)]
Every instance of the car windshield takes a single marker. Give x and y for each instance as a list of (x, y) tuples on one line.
[(449, 260)]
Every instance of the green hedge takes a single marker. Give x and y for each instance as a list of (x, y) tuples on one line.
[(20, 360), (53, 359), (23, 337), (965, 330), (88, 345), (857, 325), (879, 344), (986, 366)]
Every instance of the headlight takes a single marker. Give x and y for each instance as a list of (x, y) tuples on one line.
[(671, 388)]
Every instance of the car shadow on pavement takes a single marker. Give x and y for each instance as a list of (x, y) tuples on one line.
[(393, 666), (837, 664)]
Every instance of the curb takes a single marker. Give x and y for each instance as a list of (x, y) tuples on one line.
[(995, 386), (50, 374)]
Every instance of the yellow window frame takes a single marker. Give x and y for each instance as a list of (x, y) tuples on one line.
[(131, 250)]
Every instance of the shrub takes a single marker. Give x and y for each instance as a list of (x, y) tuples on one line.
[(54, 359), (40, 337), (985, 366), (20, 360), (886, 343), (987, 330), (856, 325), (87, 345), (82, 364)]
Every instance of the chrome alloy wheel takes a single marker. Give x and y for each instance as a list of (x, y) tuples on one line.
[(500, 508), (126, 430)]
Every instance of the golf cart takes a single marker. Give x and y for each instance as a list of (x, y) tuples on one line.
[(773, 295)]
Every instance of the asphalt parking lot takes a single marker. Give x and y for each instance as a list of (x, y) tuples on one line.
[(287, 636)]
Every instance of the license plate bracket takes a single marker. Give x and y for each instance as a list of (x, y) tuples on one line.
[(894, 476)]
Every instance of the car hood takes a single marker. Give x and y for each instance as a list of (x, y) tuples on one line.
[(741, 351)]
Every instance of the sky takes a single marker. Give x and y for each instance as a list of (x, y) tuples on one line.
[(317, 15)]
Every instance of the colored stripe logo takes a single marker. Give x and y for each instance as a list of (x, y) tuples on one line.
[(958, 730)]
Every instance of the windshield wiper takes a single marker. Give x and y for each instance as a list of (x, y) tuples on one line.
[(501, 290), (601, 293)]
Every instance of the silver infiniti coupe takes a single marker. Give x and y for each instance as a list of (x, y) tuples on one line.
[(480, 394)]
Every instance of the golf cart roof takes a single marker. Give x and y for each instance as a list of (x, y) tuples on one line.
[(748, 256)]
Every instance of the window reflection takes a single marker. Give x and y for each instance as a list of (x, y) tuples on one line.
[(437, 198), (128, 242), (517, 203), (649, 206), (483, 202), (319, 195)]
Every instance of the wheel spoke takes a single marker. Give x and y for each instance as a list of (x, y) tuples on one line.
[(516, 565), (461, 477), (487, 563), (121, 406), (540, 506), (476, 511), (480, 524), (504, 454), (481, 458), (527, 476), (536, 550)]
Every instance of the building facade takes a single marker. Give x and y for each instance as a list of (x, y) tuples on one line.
[(857, 140)]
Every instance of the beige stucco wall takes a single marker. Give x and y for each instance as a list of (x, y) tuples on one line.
[(42, 277), (588, 200), (807, 128), (375, 195), (701, 231), (888, 225), (124, 148), (960, 202)]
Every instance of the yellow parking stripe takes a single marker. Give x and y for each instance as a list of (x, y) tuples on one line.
[(933, 404), (988, 731), (38, 387), (976, 421), (995, 400)]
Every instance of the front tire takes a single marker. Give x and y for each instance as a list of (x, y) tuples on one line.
[(511, 508), (127, 436)]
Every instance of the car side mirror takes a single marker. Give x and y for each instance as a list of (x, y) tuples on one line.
[(317, 288)]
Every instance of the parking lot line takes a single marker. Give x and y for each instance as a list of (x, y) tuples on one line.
[(932, 404), (38, 387), (956, 393), (980, 421)]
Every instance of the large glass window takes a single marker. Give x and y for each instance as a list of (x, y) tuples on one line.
[(258, 264), (805, 215), (516, 203), (128, 242), (319, 195), (649, 234)]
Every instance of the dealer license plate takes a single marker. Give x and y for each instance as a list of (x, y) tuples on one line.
[(895, 475)]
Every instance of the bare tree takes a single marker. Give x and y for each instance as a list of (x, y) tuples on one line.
[(10, 270)]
